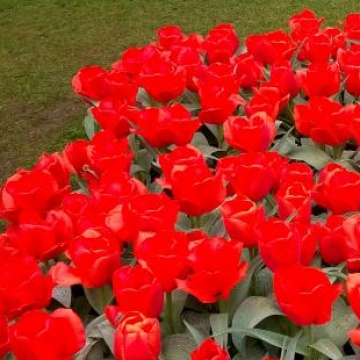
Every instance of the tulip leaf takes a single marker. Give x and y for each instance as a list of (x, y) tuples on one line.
[(198, 336), (99, 297), (107, 332), (290, 350), (328, 348), (309, 154), (89, 124), (178, 303), (241, 290), (219, 323), (250, 313), (92, 329), (84, 352), (62, 294), (178, 347), (342, 320), (264, 282), (97, 351), (268, 337)]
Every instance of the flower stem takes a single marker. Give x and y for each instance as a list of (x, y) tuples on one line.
[(220, 136), (223, 306), (337, 151), (195, 222), (169, 312)]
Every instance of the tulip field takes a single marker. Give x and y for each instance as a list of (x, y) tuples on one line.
[(208, 210)]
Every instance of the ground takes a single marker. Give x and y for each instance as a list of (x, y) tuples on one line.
[(44, 42)]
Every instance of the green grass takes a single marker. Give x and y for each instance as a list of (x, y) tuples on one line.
[(44, 42)]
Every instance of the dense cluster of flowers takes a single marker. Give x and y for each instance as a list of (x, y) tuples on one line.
[(215, 173)]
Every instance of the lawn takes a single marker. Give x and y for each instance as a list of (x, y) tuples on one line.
[(44, 42)]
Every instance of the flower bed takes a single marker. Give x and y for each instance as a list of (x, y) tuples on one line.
[(213, 212)]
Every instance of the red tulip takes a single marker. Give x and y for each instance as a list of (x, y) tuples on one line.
[(137, 338), (209, 349), (59, 335), (305, 295), (136, 289)]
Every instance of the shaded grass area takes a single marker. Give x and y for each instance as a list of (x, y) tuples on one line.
[(44, 42)]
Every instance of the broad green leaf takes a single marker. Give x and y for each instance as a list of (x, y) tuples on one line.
[(284, 142), (198, 336), (178, 347), (84, 352), (99, 297), (309, 154), (178, 303), (291, 347), (183, 222), (218, 323), (208, 220), (250, 313), (92, 329), (143, 159), (342, 320), (241, 290), (97, 351), (269, 337), (107, 332), (62, 294), (328, 348), (264, 282), (89, 124), (198, 324)]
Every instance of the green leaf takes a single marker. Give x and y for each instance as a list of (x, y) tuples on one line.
[(291, 348), (198, 336), (84, 352), (178, 303), (342, 320), (264, 282), (218, 323), (183, 222), (92, 329), (97, 351), (328, 348), (309, 154), (89, 124), (62, 294), (178, 347), (269, 337), (241, 290), (250, 313), (143, 158), (107, 332), (99, 297)]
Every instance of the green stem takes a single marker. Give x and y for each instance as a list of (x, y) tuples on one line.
[(169, 312), (338, 150), (220, 135), (195, 222), (253, 251), (223, 306)]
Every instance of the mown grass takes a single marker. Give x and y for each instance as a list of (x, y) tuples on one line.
[(44, 42)]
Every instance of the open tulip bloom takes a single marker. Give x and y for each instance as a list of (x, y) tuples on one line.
[(212, 213)]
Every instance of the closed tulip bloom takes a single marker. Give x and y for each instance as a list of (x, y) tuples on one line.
[(56, 336), (136, 289), (250, 134), (305, 294), (209, 350), (215, 268), (137, 338)]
